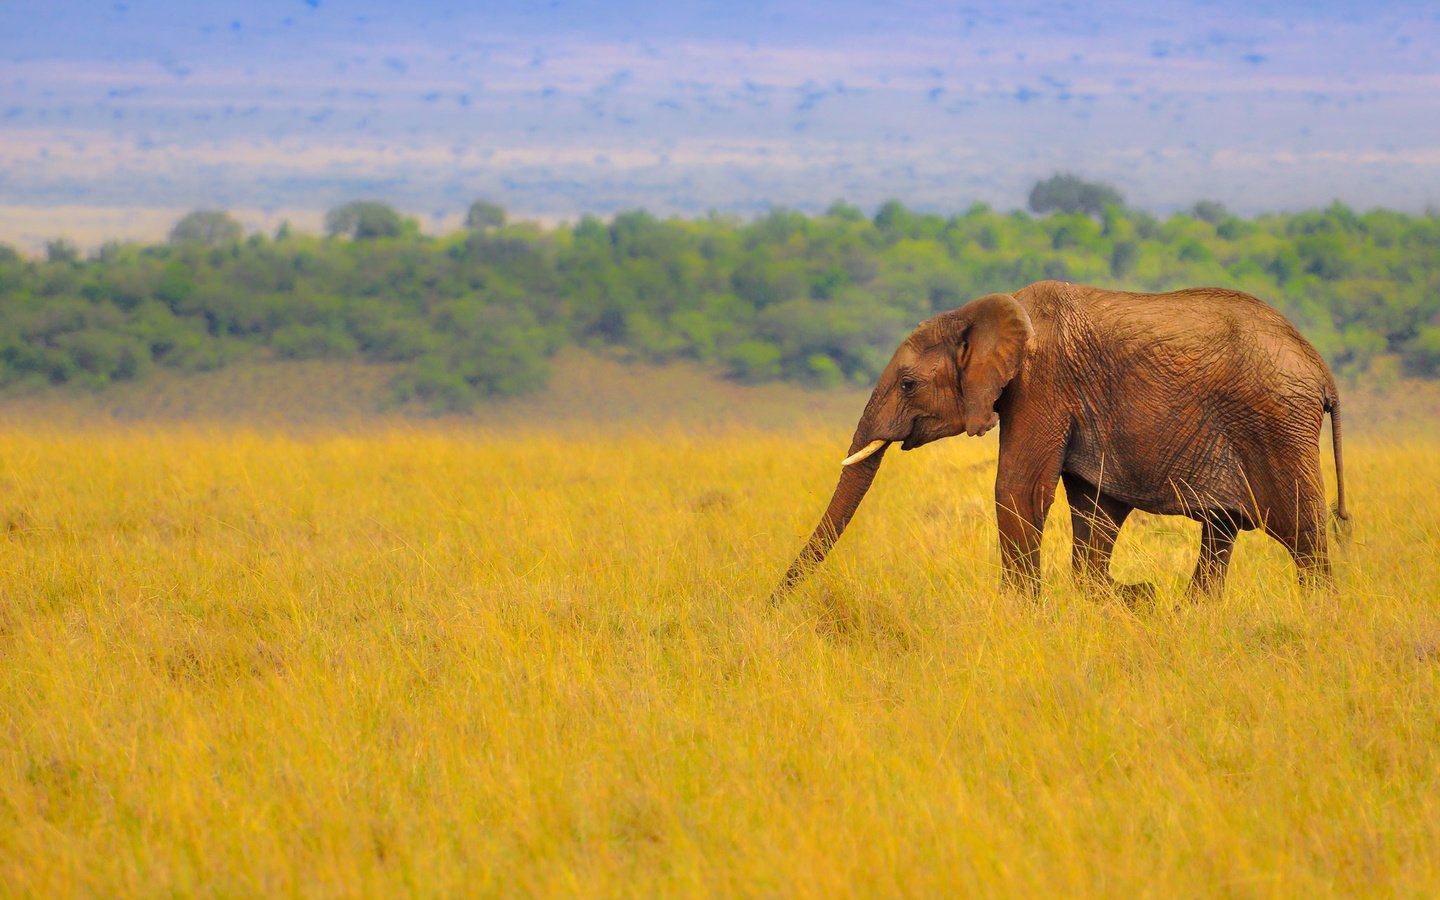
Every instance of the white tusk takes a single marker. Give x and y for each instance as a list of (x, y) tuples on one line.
[(863, 452)]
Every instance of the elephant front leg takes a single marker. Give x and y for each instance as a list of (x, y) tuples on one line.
[(1032, 452), (1021, 506)]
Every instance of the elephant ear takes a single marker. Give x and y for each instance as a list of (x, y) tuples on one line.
[(993, 333)]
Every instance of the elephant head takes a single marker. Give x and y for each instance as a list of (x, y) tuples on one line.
[(943, 380)]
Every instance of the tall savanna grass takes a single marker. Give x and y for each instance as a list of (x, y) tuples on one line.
[(450, 661)]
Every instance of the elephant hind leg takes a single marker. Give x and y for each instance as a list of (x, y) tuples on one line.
[(1217, 540), (1095, 519), (1312, 557), (1297, 518)]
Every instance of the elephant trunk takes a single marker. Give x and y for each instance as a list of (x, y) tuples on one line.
[(855, 479)]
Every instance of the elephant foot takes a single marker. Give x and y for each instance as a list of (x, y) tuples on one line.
[(1020, 585), (1139, 594), (1199, 593)]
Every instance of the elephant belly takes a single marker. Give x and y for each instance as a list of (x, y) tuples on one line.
[(1169, 467)]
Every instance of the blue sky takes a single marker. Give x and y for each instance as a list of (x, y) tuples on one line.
[(129, 111)]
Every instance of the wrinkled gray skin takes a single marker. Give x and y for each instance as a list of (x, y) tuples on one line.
[(1203, 403)]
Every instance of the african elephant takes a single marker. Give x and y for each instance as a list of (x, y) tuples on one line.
[(1203, 403)]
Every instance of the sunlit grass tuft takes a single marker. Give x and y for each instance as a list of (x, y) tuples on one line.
[(440, 660)]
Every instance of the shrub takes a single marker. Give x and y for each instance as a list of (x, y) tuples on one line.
[(312, 342)]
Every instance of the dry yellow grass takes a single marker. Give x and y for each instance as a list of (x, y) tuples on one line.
[(443, 660)]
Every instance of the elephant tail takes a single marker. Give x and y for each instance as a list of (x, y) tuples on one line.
[(1342, 516)]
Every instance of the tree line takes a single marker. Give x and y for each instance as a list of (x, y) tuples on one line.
[(820, 299)]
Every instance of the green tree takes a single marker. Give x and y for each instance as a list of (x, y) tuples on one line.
[(61, 250), (894, 221), (484, 215), (1123, 258), (211, 227), (1211, 211), (1068, 193), (846, 212), (363, 220)]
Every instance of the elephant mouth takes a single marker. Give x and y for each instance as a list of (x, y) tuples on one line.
[(916, 437), (912, 440)]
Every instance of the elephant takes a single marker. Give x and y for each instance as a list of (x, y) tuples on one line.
[(1205, 403)]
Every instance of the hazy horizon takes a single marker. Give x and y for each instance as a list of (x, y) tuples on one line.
[(114, 122)]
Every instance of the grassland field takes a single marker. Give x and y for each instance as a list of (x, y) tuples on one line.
[(529, 653)]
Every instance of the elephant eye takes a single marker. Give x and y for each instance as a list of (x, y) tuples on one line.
[(908, 385)]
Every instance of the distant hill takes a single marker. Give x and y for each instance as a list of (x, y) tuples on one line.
[(444, 323), (586, 391)]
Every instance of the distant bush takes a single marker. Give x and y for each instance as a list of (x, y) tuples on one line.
[(311, 342), (100, 357), (1422, 354), (753, 360)]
